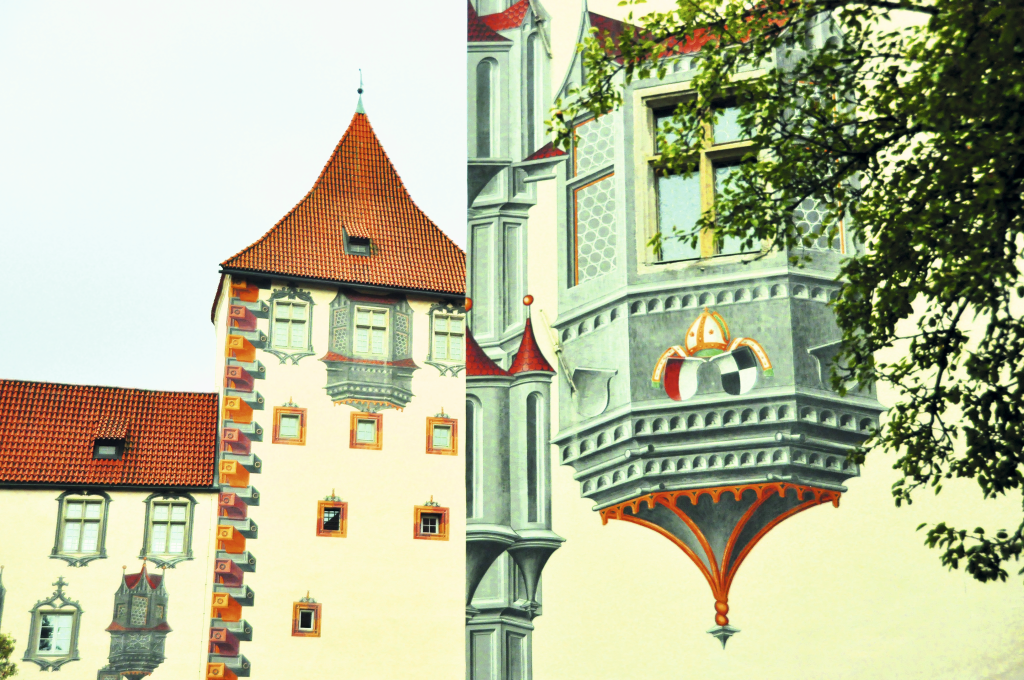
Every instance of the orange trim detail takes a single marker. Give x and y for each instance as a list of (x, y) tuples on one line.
[(233, 474), (245, 292), (226, 608), (453, 436), (240, 349), (720, 575), (219, 671), (230, 540)]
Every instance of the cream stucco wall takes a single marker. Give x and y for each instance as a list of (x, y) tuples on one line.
[(839, 593), (393, 606), (29, 519)]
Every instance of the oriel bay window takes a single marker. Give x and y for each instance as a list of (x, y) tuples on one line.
[(371, 331), (681, 198)]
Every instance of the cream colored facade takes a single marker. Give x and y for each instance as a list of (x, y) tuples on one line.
[(392, 605), (30, 522)]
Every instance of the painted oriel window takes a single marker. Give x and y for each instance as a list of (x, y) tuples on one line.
[(371, 331), (681, 199)]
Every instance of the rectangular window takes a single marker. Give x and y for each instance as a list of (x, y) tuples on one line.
[(289, 425), (442, 435), (332, 518), (168, 524), (81, 530), (430, 522), (680, 199), (449, 337), (291, 324), (55, 631), (371, 331), (365, 431), (306, 618)]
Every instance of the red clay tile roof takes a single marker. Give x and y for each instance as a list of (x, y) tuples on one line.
[(613, 28), (478, 363), (529, 357), (549, 150), (48, 430), (510, 18), (358, 191), (479, 31), (132, 580)]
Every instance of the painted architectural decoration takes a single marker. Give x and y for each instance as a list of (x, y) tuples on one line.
[(139, 627), (692, 395)]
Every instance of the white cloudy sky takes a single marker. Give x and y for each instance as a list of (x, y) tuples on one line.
[(143, 143)]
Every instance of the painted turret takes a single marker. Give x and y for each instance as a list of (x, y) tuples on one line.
[(139, 627)]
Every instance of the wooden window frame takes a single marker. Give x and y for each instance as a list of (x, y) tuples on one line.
[(323, 505), (289, 410), (317, 610), (709, 156), (442, 529), (452, 450), (354, 419)]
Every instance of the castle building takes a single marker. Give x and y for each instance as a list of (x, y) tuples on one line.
[(93, 479), (692, 391), (341, 335)]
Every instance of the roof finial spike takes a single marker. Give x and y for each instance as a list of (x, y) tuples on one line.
[(359, 107)]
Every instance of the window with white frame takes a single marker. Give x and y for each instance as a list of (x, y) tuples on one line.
[(53, 632), (168, 537), (371, 331), (430, 523), (291, 324), (449, 337), (81, 527)]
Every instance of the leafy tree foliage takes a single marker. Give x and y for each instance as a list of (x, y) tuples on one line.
[(8, 669), (904, 120)]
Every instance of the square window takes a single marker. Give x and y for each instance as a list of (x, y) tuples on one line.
[(365, 431), (306, 617), (442, 436), (289, 425), (430, 523), (331, 518)]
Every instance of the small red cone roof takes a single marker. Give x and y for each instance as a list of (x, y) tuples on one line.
[(529, 356), (358, 192), (480, 31), (477, 362)]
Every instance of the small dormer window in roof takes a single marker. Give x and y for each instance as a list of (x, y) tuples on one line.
[(108, 449), (358, 245)]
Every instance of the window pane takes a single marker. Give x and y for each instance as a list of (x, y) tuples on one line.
[(178, 512), (158, 544), (380, 319), (483, 109), (332, 519), (72, 532), (177, 542), (92, 510), (106, 451), (298, 334), (289, 428), (160, 511), (90, 536), (662, 119), (55, 633), (440, 323), (455, 348), (729, 245), (727, 127), (440, 346), (306, 619), (678, 206), (298, 311), (442, 437), (74, 509), (378, 341), (363, 317), (456, 326), (362, 340), (281, 310), (280, 333), (366, 431)]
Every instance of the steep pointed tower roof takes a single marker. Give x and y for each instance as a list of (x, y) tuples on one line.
[(478, 364), (529, 357), (360, 194), (478, 31)]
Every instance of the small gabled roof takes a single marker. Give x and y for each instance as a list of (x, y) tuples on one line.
[(48, 432), (512, 17), (480, 31), (549, 150), (358, 193)]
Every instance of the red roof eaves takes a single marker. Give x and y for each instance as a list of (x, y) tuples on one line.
[(510, 18)]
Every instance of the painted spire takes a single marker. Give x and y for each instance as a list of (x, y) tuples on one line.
[(478, 364), (359, 106), (529, 357)]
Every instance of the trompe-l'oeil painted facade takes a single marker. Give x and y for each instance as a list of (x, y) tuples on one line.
[(308, 517)]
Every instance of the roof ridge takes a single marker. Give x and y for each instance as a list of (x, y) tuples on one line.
[(106, 387)]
